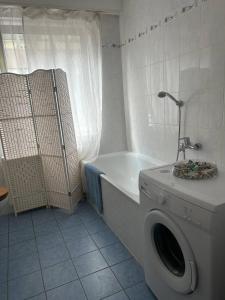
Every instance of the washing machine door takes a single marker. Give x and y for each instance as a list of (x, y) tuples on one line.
[(168, 250)]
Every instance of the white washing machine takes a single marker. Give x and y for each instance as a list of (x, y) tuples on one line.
[(184, 235)]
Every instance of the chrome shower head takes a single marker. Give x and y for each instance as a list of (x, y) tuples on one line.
[(163, 94)]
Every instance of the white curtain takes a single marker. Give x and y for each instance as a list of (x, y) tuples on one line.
[(71, 41), (11, 29)]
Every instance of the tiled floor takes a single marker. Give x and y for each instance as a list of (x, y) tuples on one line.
[(47, 254)]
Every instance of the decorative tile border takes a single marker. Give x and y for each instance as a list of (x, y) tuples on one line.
[(110, 45), (151, 28)]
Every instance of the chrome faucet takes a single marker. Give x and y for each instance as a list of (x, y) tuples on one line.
[(185, 143)]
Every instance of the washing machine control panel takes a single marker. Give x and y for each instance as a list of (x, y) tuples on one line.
[(159, 198)]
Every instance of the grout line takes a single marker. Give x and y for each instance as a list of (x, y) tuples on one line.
[(72, 261), (39, 258), (126, 294), (30, 298), (105, 259), (98, 249), (92, 273), (33, 252), (52, 266), (58, 286)]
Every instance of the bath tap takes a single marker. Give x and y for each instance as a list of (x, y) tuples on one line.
[(185, 143)]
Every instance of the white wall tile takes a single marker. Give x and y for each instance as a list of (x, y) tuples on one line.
[(190, 31), (211, 109), (191, 109), (113, 116), (156, 77), (186, 57), (156, 45), (156, 112), (170, 143), (212, 141), (171, 39), (171, 111), (172, 75), (212, 23), (190, 72), (212, 66)]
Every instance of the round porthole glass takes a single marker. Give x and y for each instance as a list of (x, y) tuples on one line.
[(169, 250)]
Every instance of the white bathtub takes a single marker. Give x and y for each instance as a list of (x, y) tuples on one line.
[(120, 196), (122, 170)]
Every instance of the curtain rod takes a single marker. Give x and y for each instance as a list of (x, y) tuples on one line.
[(101, 12)]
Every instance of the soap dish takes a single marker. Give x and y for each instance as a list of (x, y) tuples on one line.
[(194, 169)]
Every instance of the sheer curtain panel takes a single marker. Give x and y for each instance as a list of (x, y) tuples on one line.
[(52, 38), (12, 48), (71, 41)]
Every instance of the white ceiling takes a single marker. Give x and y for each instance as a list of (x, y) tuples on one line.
[(110, 6)]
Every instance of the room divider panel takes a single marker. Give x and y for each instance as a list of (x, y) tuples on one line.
[(41, 162)]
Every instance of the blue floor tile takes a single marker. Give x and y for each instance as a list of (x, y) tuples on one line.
[(88, 215), (140, 292), (118, 296), (89, 263), (105, 238), (4, 230), (67, 221), (3, 272), (46, 228), (42, 215), (82, 204), (21, 235), (96, 226), (100, 285), (84, 208), (128, 273), (81, 246), (4, 241), (84, 232), (20, 223), (115, 253), (4, 227), (41, 296), (74, 233), (53, 256), (25, 287), (22, 217), (69, 291), (49, 241), (4, 220), (22, 266), (59, 274), (22, 249), (3, 291), (3, 255)]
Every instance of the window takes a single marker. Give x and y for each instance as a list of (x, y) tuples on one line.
[(14, 53)]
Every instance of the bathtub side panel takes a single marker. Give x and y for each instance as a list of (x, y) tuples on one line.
[(123, 216)]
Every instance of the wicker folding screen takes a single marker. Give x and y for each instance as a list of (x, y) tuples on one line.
[(22, 164), (41, 162), (69, 140)]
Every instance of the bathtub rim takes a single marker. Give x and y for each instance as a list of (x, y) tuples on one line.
[(134, 197), (149, 159)]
